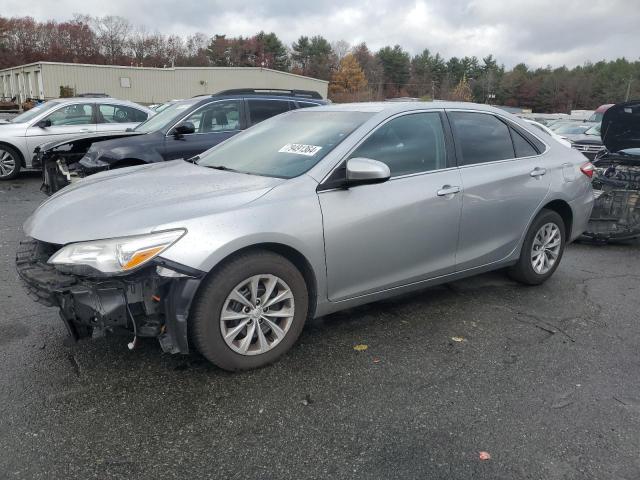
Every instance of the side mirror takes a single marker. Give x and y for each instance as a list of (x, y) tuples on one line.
[(44, 123), (185, 128), (363, 171)]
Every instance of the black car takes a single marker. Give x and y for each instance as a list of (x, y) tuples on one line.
[(616, 178), (588, 143), (183, 129)]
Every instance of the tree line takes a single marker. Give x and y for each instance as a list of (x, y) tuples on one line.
[(356, 73)]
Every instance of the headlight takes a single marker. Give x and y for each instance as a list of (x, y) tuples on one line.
[(116, 255)]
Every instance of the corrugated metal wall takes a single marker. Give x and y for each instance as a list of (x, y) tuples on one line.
[(144, 85)]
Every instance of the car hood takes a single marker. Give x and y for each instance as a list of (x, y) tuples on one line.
[(94, 137), (137, 200), (621, 126), (585, 139)]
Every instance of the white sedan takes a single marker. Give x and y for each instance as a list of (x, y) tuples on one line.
[(551, 133)]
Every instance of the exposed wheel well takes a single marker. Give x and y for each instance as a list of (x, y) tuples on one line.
[(295, 257), (17, 150), (563, 209)]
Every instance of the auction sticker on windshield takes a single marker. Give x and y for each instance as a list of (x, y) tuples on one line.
[(300, 149)]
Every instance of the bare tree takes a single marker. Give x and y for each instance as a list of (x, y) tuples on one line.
[(113, 37), (340, 49)]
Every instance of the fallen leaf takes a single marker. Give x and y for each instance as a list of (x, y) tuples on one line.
[(484, 456), (376, 360), (360, 348), (458, 339)]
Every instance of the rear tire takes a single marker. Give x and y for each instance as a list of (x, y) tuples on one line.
[(255, 330), (10, 163), (542, 249)]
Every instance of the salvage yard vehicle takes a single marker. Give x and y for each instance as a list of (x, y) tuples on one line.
[(183, 129), (558, 138), (310, 212), (616, 177), (59, 120), (589, 143)]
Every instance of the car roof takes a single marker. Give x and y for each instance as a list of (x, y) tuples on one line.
[(98, 100)]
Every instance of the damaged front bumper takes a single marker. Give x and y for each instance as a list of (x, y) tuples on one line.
[(152, 302)]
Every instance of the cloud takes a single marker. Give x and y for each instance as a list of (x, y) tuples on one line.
[(536, 32)]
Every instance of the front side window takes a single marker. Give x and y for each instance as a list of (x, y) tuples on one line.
[(408, 144), (77, 114), (216, 117), (285, 146), (481, 137), (260, 110), (108, 113)]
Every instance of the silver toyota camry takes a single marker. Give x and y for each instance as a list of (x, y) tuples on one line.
[(308, 213)]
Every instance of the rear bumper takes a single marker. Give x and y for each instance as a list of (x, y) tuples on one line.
[(144, 303)]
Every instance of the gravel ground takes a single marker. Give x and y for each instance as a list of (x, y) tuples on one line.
[(544, 379)]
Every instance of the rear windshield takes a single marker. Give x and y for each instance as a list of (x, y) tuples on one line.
[(166, 116), (284, 146)]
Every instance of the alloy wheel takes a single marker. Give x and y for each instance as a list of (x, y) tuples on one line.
[(7, 163), (546, 248), (257, 314)]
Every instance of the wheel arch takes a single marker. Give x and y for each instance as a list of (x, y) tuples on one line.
[(562, 208), (299, 260), (17, 150)]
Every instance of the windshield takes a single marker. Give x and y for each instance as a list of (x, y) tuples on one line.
[(166, 116), (595, 130), (573, 128), (596, 117), (34, 112), (284, 146)]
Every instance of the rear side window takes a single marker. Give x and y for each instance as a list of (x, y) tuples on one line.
[(408, 144), (108, 113), (260, 110), (481, 138), (522, 146)]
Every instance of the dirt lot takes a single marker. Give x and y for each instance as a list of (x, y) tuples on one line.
[(546, 380)]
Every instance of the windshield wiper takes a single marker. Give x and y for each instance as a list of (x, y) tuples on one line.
[(193, 160), (221, 167)]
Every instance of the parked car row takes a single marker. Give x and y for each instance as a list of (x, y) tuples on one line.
[(306, 213)]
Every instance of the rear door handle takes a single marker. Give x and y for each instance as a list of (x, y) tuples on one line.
[(538, 172), (448, 190)]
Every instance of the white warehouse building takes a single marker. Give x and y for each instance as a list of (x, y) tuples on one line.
[(145, 85)]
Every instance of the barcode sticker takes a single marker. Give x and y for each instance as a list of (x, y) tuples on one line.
[(300, 149)]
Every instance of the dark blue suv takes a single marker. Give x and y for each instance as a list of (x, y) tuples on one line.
[(182, 129)]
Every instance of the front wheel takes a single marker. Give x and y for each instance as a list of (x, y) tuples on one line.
[(9, 163), (250, 311), (542, 249)]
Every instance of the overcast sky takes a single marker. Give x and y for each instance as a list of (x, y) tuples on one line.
[(537, 32)]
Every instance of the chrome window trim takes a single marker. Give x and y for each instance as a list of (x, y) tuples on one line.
[(509, 122), (239, 100), (374, 129)]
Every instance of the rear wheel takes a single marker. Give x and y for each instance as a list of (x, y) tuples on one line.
[(10, 163), (250, 311), (542, 249)]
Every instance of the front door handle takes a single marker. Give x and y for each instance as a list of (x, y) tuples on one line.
[(448, 190), (538, 172)]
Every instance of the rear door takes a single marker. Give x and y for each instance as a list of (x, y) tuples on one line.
[(112, 117), (504, 181), (401, 231), (214, 122), (68, 121)]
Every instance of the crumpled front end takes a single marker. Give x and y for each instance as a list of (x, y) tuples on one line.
[(152, 302), (616, 210)]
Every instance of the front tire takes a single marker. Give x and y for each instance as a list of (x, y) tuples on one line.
[(250, 311), (10, 163), (542, 249)]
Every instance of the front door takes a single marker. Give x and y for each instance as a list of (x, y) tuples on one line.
[(66, 122), (404, 230), (213, 122), (504, 181)]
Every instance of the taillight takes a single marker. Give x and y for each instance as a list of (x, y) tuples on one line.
[(588, 169)]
